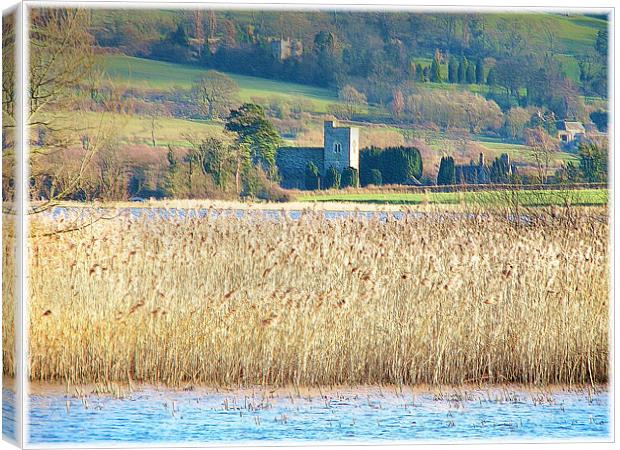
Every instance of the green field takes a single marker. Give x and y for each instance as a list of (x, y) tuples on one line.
[(160, 76), (574, 197)]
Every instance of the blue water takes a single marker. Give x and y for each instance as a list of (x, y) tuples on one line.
[(8, 414), (165, 416), (86, 214)]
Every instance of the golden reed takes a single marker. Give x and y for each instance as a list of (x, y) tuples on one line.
[(238, 302)]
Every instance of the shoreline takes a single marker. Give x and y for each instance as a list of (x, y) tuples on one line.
[(318, 206), (111, 388)]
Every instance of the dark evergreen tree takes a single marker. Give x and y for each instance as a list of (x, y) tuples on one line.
[(471, 74), (350, 177), (332, 179), (426, 74), (375, 177), (255, 130), (369, 160), (399, 165), (593, 163), (453, 70), (600, 119), (435, 73), (419, 70), (500, 170), (447, 173), (462, 70), (480, 71), (491, 77), (313, 179)]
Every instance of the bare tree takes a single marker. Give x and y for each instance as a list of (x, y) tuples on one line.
[(352, 99), (61, 60), (543, 148), (214, 94)]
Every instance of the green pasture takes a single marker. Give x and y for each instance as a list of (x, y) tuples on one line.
[(161, 76), (574, 197)]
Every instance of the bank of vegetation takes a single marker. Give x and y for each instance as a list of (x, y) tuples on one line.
[(122, 108), (320, 302)]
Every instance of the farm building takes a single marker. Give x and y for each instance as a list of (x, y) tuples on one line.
[(570, 132)]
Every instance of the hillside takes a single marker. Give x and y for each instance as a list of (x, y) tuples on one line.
[(159, 75)]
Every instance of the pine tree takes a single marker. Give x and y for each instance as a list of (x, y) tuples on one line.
[(453, 71), (350, 177), (480, 71), (471, 74), (435, 75), (170, 180), (491, 77), (312, 176), (462, 70), (333, 179), (446, 174), (419, 72), (375, 177)]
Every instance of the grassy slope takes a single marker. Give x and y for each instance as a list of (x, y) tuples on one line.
[(159, 75), (575, 36), (526, 198)]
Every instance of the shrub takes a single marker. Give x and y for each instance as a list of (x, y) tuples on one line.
[(375, 177), (312, 176), (397, 165), (332, 180), (350, 177), (446, 174)]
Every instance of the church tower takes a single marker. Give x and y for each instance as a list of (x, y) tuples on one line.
[(340, 147)]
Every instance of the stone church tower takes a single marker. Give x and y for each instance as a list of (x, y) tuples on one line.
[(340, 150), (340, 147)]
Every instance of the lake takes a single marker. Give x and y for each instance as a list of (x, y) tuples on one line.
[(370, 414)]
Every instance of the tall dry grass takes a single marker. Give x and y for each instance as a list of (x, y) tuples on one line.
[(222, 301)]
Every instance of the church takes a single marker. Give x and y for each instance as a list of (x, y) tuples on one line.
[(340, 150)]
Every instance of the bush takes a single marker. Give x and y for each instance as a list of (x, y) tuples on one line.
[(332, 180), (397, 165), (350, 177), (312, 176), (400, 165), (446, 174), (375, 177), (275, 193)]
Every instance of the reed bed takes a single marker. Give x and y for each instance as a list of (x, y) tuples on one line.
[(226, 301)]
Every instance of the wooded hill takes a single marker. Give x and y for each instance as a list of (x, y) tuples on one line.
[(533, 59)]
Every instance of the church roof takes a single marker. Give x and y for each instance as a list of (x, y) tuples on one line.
[(576, 127)]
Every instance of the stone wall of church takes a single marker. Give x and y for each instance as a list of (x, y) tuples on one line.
[(292, 163)]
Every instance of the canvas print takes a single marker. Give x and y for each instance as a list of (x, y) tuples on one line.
[(299, 225)]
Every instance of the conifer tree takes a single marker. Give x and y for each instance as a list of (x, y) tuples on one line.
[(491, 77), (435, 74), (462, 70), (480, 71), (453, 71), (471, 74), (446, 174)]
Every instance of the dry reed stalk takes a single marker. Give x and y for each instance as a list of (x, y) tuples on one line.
[(224, 301)]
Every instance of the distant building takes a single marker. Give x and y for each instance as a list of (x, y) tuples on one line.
[(340, 150), (472, 173), (282, 49), (500, 170), (570, 133)]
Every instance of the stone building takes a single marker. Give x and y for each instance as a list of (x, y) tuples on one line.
[(481, 173), (340, 150), (472, 173), (570, 132), (282, 49)]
